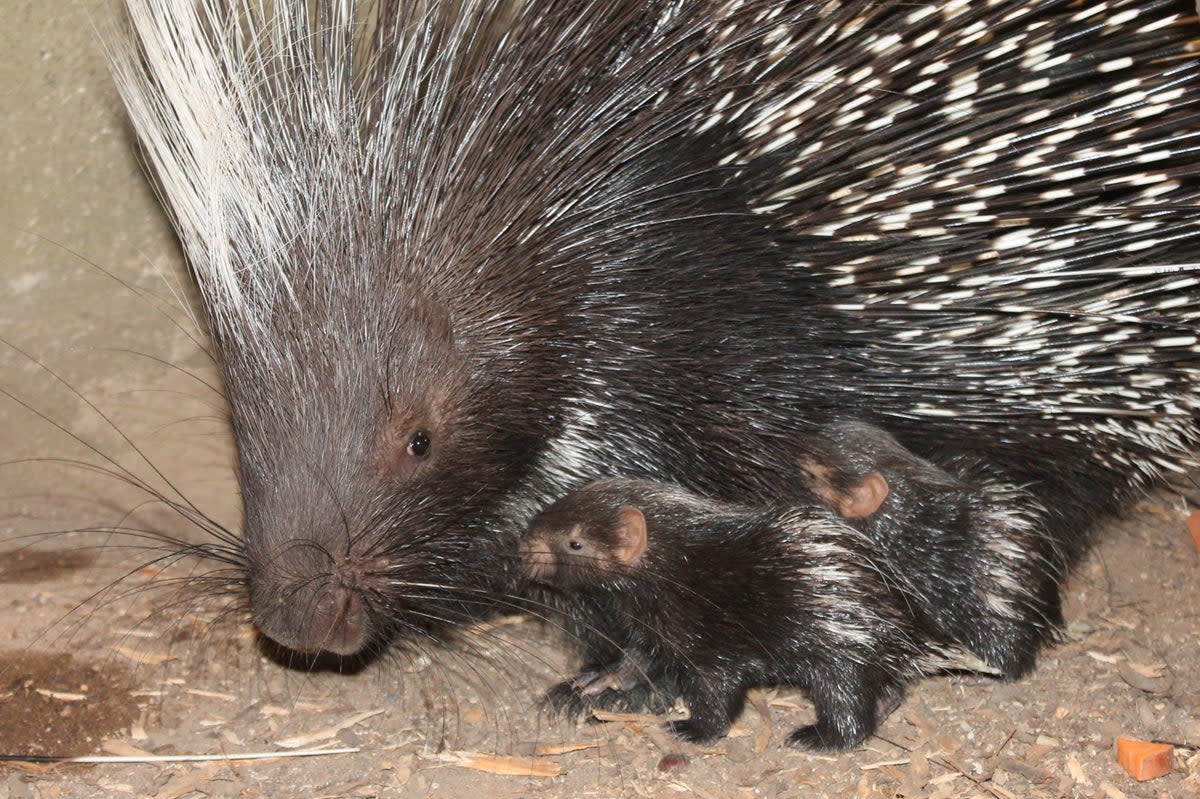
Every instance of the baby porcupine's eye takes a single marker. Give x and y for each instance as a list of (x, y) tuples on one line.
[(420, 444), (575, 545)]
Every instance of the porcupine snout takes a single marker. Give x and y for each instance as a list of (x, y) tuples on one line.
[(315, 604)]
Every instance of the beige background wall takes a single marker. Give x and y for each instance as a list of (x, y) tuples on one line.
[(73, 193)]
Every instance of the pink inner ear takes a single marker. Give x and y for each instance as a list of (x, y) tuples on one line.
[(865, 498), (630, 533)]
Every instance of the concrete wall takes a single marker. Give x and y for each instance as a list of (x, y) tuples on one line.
[(74, 206)]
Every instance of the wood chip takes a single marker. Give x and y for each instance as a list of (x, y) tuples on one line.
[(1112, 791), (941, 740), (918, 770), (762, 739), (1193, 526), (1035, 753), (138, 633), (942, 792), (786, 704), (123, 748), (506, 621), (62, 696), (759, 700), (1076, 771), (1158, 510), (325, 733), (1023, 768), (187, 783), (211, 694), (564, 749), (208, 758), (1150, 671), (1139, 680), (503, 765), (143, 657)]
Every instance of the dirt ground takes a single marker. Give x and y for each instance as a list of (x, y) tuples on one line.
[(92, 662), (106, 647)]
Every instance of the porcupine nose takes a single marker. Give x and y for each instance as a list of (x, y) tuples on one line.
[(314, 613), (339, 623)]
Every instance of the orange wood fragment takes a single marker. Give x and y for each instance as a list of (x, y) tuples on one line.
[(1194, 527), (1145, 760)]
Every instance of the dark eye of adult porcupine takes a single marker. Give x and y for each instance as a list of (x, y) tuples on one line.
[(419, 444)]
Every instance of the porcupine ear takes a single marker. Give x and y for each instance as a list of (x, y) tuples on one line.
[(864, 497), (630, 536), (432, 316)]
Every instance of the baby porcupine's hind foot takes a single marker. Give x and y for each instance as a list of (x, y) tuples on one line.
[(710, 714), (1003, 602), (844, 722), (698, 731)]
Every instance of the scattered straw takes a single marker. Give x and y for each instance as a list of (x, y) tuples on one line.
[(564, 749), (500, 764)]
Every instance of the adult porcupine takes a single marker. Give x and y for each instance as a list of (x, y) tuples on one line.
[(460, 256)]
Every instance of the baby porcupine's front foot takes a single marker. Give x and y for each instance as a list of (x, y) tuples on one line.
[(566, 700), (619, 688)]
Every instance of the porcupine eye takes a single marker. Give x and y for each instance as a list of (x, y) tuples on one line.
[(420, 444), (575, 545)]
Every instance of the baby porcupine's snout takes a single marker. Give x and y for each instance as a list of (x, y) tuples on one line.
[(537, 559)]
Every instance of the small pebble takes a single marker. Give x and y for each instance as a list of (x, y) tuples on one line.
[(672, 762)]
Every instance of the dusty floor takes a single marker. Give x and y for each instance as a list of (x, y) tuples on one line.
[(89, 662)]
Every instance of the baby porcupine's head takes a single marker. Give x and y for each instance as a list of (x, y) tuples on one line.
[(587, 538)]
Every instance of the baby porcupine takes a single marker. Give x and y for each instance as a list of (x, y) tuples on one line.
[(670, 593)]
